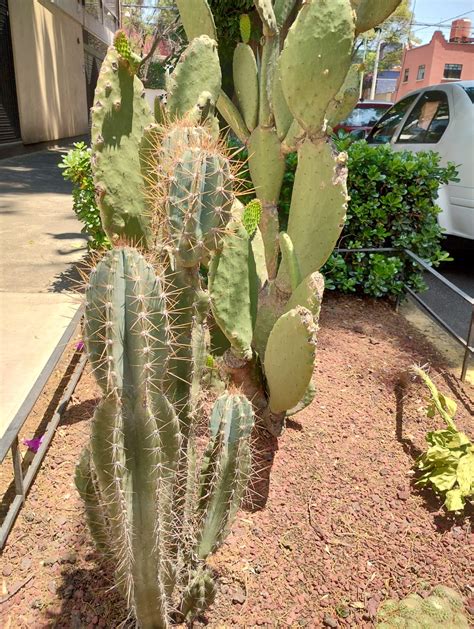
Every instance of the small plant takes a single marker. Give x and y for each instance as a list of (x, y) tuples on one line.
[(76, 167), (344, 140), (448, 464), (443, 608)]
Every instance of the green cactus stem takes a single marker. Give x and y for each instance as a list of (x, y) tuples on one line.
[(145, 505), (119, 117)]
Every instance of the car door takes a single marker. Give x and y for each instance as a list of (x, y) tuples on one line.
[(432, 125)]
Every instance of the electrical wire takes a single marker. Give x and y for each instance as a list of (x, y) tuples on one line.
[(449, 19)]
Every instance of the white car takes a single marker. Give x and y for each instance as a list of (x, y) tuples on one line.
[(438, 118)]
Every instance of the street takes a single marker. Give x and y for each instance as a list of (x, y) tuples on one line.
[(445, 302)]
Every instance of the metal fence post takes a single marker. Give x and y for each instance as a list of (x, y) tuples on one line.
[(468, 350)]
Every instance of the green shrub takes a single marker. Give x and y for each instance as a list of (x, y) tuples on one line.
[(76, 167), (392, 204)]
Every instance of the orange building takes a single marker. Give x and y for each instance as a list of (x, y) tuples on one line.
[(440, 61)]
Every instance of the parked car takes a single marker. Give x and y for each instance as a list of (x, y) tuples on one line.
[(363, 117), (438, 118)]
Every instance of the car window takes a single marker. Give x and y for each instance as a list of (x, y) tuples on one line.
[(363, 117), (386, 126), (470, 92), (427, 121)]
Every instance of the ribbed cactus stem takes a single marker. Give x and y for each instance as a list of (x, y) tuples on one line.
[(138, 478), (226, 469)]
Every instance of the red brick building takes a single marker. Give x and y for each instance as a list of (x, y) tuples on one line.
[(439, 61)]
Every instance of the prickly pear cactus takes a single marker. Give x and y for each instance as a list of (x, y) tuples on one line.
[(442, 609), (119, 117), (288, 93)]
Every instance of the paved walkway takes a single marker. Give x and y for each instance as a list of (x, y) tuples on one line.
[(40, 240)]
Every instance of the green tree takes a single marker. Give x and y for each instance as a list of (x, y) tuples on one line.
[(147, 23), (394, 34)]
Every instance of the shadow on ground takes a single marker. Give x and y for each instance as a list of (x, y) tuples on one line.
[(88, 598), (33, 173)]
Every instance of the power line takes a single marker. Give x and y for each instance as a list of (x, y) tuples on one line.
[(440, 24)]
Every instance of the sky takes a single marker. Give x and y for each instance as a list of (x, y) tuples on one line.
[(435, 11)]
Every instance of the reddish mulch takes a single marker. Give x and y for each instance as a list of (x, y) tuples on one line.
[(336, 524)]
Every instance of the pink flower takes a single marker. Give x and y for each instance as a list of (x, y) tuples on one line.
[(33, 444), (80, 346)]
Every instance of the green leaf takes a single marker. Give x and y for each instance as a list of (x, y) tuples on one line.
[(454, 500), (448, 404), (457, 440), (444, 478), (465, 474)]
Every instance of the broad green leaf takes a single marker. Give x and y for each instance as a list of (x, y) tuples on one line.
[(440, 455), (448, 404), (454, 500), (465, 474), (457, 440), (438, 438), (444, 478)]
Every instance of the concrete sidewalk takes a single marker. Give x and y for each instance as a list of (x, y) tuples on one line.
[(40, 241)]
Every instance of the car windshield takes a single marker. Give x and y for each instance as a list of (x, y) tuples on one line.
[(470, 92), (363, 117)]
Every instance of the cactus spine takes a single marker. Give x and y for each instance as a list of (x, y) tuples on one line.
[(287, 101), (156, 505)]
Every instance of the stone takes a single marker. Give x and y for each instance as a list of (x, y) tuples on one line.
[(26, 563), (7, 570), (329, 621), (403, 494), (238, 597)]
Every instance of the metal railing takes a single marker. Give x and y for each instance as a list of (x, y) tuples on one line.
[(468, 342), (9, 441)]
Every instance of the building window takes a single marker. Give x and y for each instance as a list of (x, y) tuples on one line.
[(421, 73), (405, 75), (452, 71)]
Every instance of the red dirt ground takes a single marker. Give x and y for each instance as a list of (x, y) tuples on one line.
[(336, 525)]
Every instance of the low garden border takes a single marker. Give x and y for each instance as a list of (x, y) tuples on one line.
[(9, 441)]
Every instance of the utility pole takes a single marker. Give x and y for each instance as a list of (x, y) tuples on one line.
[(362, 72), (376, 65)]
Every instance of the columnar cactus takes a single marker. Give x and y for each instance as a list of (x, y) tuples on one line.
[(146, 506)]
